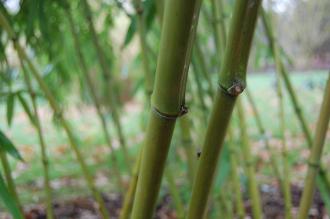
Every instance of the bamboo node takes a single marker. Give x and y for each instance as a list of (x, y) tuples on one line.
[(183, 111), (236, 89)]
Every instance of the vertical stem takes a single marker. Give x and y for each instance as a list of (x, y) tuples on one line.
[(58, 112), (249, 163), (322, 180), (9, 179), (235, 177), (262, 131), (286, 173), (187, 143), (107, 82), (149, 80), (316, 153), (97, 105), (129, 196), (44, 157), (200, 90), (200, 58), (231, 84), (174, 193), (167, 101)]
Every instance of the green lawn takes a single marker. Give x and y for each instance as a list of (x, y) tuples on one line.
[(66, 176)]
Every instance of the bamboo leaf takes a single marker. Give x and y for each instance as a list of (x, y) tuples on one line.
[(9, 147), (26, 107), (8, 200), (10, 108)]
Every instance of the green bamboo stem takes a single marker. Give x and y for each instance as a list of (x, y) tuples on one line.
[(200, 90), (203, 68), (174, 194), (231, 84), (96, 102), (322, 179), (249, 164), (187, 143), (273, 160), (44, 157), (108, 83), (316, 154), (286, 172), (58, 112), (9, 179), (235, 177), (218, 24), (166, 102), (129, 196), (149, 79)]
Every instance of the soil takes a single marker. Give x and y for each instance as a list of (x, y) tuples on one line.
[(84, 207)]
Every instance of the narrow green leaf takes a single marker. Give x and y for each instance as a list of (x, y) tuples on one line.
[(9, 147), (130, 31), (10, 108), (8, 200), (26, 107)]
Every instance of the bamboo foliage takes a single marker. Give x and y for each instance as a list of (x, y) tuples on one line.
[(231, 84), (58, 112)]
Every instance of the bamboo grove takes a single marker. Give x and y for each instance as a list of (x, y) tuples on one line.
[(192, 137)]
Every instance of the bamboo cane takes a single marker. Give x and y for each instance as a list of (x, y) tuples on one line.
[(322, 180), (235, 177), (167, 101), (108, 83), (286, 174), (232, 83), (44, 157), (58, 112), (187, 143), (316, 153), (249, 164), (262, 131), (97, 104), (9, 179)]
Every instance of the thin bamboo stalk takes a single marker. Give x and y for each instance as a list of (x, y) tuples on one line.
[(231, 84), (200, 90), (286, 173), (58, 112), (316, 154), (273, 160), (187, 143), (149, 79), (9, 179), (167, 101), (249, 164), (235, 177), (97, 104), (322, 180), (218, 24), (174, 193), (203, 68), (43, 147), (108, 83), (129, 196)]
